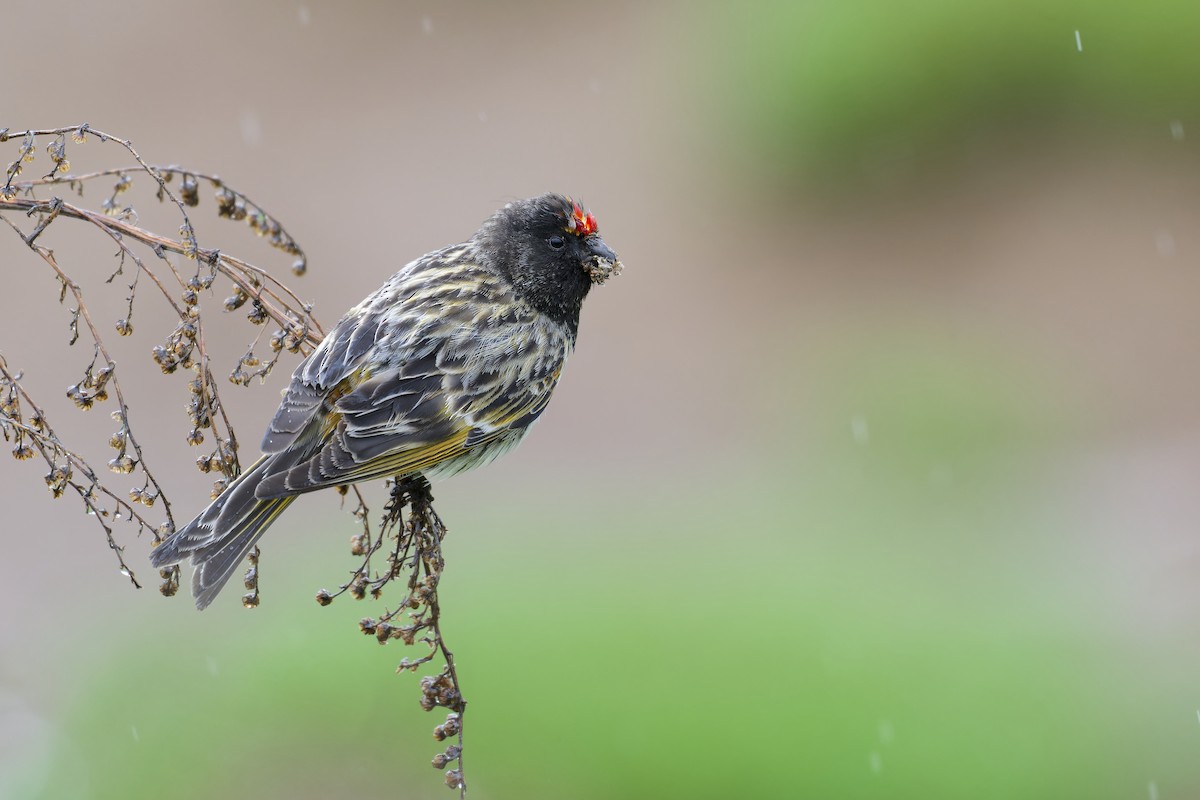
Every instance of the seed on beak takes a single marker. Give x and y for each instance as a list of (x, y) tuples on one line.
[(604, 263), (601, 269)]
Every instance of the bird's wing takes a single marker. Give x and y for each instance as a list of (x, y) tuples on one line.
[(388, 316), (474, 366)]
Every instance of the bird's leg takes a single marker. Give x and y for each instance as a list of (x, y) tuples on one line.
[(416, 487)]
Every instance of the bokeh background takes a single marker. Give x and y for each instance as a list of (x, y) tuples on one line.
[(874, 476)]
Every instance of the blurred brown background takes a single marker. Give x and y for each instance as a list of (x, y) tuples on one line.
[(873, 475)]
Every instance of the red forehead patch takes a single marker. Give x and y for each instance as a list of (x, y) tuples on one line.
[(581, 222)]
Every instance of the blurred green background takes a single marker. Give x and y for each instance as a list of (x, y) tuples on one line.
[(874, 476)]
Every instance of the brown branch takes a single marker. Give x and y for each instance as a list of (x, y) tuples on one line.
[(414, 552), (49, 258), (230, 208), (235, 269), (51, 448), (417, 555)]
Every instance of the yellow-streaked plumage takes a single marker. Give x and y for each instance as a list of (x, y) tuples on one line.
[(442, 369)]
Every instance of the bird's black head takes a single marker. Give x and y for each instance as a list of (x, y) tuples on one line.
[(548, 246)]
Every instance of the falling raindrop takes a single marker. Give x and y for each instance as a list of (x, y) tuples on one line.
[(1164, 242), (252, 132), (1177, 130), (859, 430)]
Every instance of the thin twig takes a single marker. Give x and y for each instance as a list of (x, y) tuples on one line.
[(235, 269), (414, 552)]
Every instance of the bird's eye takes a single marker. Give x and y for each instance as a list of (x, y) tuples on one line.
[(557, 242)]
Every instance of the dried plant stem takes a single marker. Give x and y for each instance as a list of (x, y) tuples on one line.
[(408, 539), (416, 556), (245, 276), (81, 310), (51, 449), (186, 346)]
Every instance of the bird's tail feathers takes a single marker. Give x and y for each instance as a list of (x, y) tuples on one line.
[(220, 537)]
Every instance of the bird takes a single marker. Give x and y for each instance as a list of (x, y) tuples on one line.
[(442, 369)]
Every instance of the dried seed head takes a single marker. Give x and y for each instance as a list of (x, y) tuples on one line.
[(57, 479), (189, 191), (225, 202), (122, 465), (81, 398), (257, 314), (170, 581), (324, 598)]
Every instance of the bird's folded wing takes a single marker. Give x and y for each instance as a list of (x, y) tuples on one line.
[(412, 416)]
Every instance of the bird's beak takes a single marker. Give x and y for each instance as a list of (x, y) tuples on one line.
[(603, 263)]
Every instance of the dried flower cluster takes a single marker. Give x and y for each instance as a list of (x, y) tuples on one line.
[(184, 274), (183, 347), (412, 546)]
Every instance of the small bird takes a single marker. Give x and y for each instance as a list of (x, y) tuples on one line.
[(444, 368)]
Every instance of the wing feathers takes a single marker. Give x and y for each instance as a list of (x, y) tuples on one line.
[(441, 361)]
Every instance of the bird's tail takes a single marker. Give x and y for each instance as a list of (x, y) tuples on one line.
[(220, 537)]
